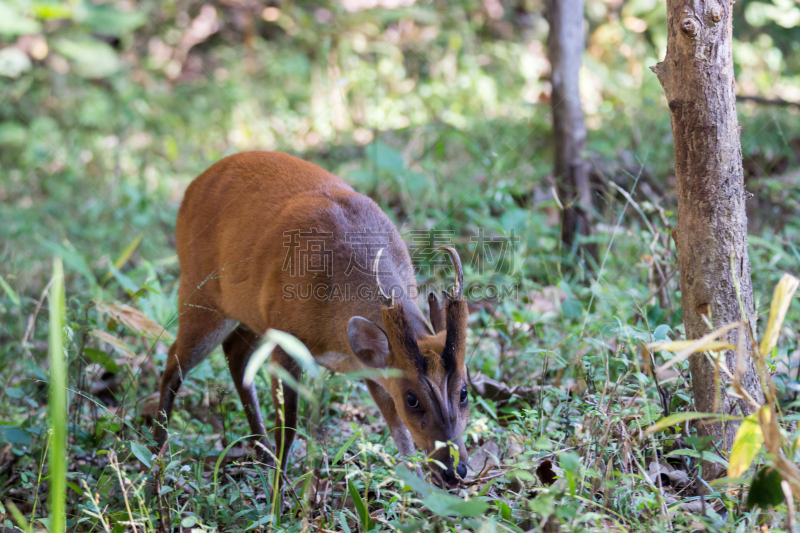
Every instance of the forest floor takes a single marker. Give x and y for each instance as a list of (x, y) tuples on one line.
[(563, 388), (445, 125)]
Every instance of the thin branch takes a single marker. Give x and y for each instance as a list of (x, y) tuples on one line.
[(766, 101)]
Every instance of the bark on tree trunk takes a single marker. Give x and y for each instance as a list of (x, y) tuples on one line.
[(711, 234), (565, 45)]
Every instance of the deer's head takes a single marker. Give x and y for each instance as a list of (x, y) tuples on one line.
[(431, 396)]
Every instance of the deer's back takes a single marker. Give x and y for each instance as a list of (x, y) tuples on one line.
[(235, 234)]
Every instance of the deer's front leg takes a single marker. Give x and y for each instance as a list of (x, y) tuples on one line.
[(399, 431)]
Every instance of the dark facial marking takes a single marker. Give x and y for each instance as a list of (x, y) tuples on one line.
[(455, 333), (405, 337)]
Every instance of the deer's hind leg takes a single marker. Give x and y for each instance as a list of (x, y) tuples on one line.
[(238, 347)]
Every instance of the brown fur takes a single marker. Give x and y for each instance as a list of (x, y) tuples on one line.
[(232, 246)]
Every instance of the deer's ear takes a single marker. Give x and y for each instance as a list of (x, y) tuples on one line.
[(368, 342)]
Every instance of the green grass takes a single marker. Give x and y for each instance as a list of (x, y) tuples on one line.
[(588, 395), (447, 126)]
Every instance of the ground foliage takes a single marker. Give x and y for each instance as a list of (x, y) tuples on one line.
[(440, 112)]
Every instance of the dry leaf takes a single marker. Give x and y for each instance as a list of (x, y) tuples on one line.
[(517, 445), (546, 301), (134, 320), (679, 346), (694, 506), (781, 299), (483, 459), (687, 348), (118, 344), (679, 478), (500, 392), (548, 473)]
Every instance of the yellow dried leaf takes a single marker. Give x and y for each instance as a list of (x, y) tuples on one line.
[(746, 445), (770, 429), (120, 345), (134, 320), (707, 342), (679, 346), (781, 299)]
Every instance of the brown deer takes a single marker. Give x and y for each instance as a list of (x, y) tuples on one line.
[(240, 230)]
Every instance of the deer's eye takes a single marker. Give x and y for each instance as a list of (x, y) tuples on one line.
[(464, 394), (412, 400)]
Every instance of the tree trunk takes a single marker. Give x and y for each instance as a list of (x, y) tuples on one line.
[(711, 234), (565, 45)]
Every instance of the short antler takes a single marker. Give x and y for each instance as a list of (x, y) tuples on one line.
[(385, 300), (458, 288)]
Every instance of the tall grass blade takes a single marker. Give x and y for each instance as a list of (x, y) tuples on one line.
[(123, 257), (361, 508), (678, 418), (57, 401), (12, 295)]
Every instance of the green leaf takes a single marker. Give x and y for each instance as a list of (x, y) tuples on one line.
[(418, 184), (13, 134), (343, 523), (189, 521), (105, 20), (142, 453), (384, 156), (13, 23), (14, 62), (572, 308), (746, 446), (102, 358), (677, 418), (92, 59), (52, 10), (358, 503), (15, 435), (72, 258), (660, 333), (765, 491), (438, 501), (344, 448), (14, 392), (505, 510), (124, 256), (75, 487), (704, 455), (570, 462)]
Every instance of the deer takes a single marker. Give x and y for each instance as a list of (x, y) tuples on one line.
[(240, 226)]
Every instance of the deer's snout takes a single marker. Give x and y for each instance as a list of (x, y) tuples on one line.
[(449, 476)]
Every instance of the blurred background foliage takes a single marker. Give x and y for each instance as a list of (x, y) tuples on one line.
[(108, 109), (438, 110)]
